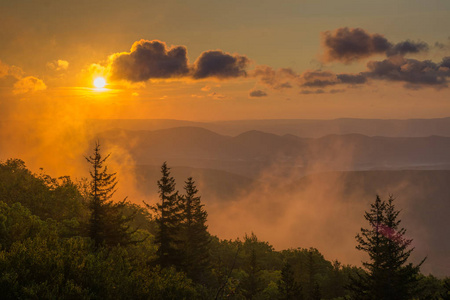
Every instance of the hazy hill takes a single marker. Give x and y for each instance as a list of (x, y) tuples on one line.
[(251, 152), (298, 127)]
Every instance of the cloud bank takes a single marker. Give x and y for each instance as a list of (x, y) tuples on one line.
[(415, 73), (149, 60), (155, 60), (220, 65)]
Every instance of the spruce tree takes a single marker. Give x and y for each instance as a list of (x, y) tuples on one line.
[(107, 225), (168, 219), (388, 275), (196, 238)]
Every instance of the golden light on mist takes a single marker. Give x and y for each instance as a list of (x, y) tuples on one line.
[(99, 82)]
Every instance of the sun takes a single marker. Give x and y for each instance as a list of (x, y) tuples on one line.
[(99, 82)]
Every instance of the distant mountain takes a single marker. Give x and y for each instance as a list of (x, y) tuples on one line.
[(298, 127), (251, 152)]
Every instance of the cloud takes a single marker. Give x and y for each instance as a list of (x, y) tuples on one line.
[(351, 44), (218, 64), (321, 79), (58, 65), (257, 93), (351, 78), (413, 72), (13, 71), (309, 92), (318, 78), (155, 60), (407, 47), (275, 79), (147, 60), (28, 84)]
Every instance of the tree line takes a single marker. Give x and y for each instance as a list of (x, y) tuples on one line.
[(62, 239)]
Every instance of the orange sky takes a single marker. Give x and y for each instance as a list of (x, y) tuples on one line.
[(210, 60)]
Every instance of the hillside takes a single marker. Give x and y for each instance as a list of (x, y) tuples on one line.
[(298, 127), (250, 153)]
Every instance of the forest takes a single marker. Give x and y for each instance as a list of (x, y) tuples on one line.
[(72, 239)]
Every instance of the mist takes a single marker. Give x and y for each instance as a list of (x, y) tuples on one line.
[(290, 203)]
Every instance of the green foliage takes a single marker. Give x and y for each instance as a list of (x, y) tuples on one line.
[(43, 256), (17, 224), (44, 196)]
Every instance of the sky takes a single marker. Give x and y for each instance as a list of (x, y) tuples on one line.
[(207, 60)]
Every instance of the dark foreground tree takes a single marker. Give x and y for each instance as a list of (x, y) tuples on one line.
[(168, 219), (196, 238), (107, 225), (388, 276)]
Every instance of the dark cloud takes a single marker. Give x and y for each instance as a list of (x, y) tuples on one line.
[(413, 72), (321, 79), (153, 59), (318, 79), (219, 64), (149, 59), (350, 44), (407, 47), (445, 62), (257, 93), (351, 78)]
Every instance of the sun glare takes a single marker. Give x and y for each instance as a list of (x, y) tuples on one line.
[(99, 82)]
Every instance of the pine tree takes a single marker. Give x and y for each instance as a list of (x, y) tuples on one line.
[(196, 238), (388, 275), (107, 225), (168, 219)]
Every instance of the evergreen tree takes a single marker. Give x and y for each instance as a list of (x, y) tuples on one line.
[(313, 286), (107, 225), (168, 219), (288, 287), (252, 284), (388, 275), (196, 238)]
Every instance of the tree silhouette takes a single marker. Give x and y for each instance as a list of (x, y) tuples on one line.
[(107, 225), (388, 274), (196, 238), (168, 218)]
